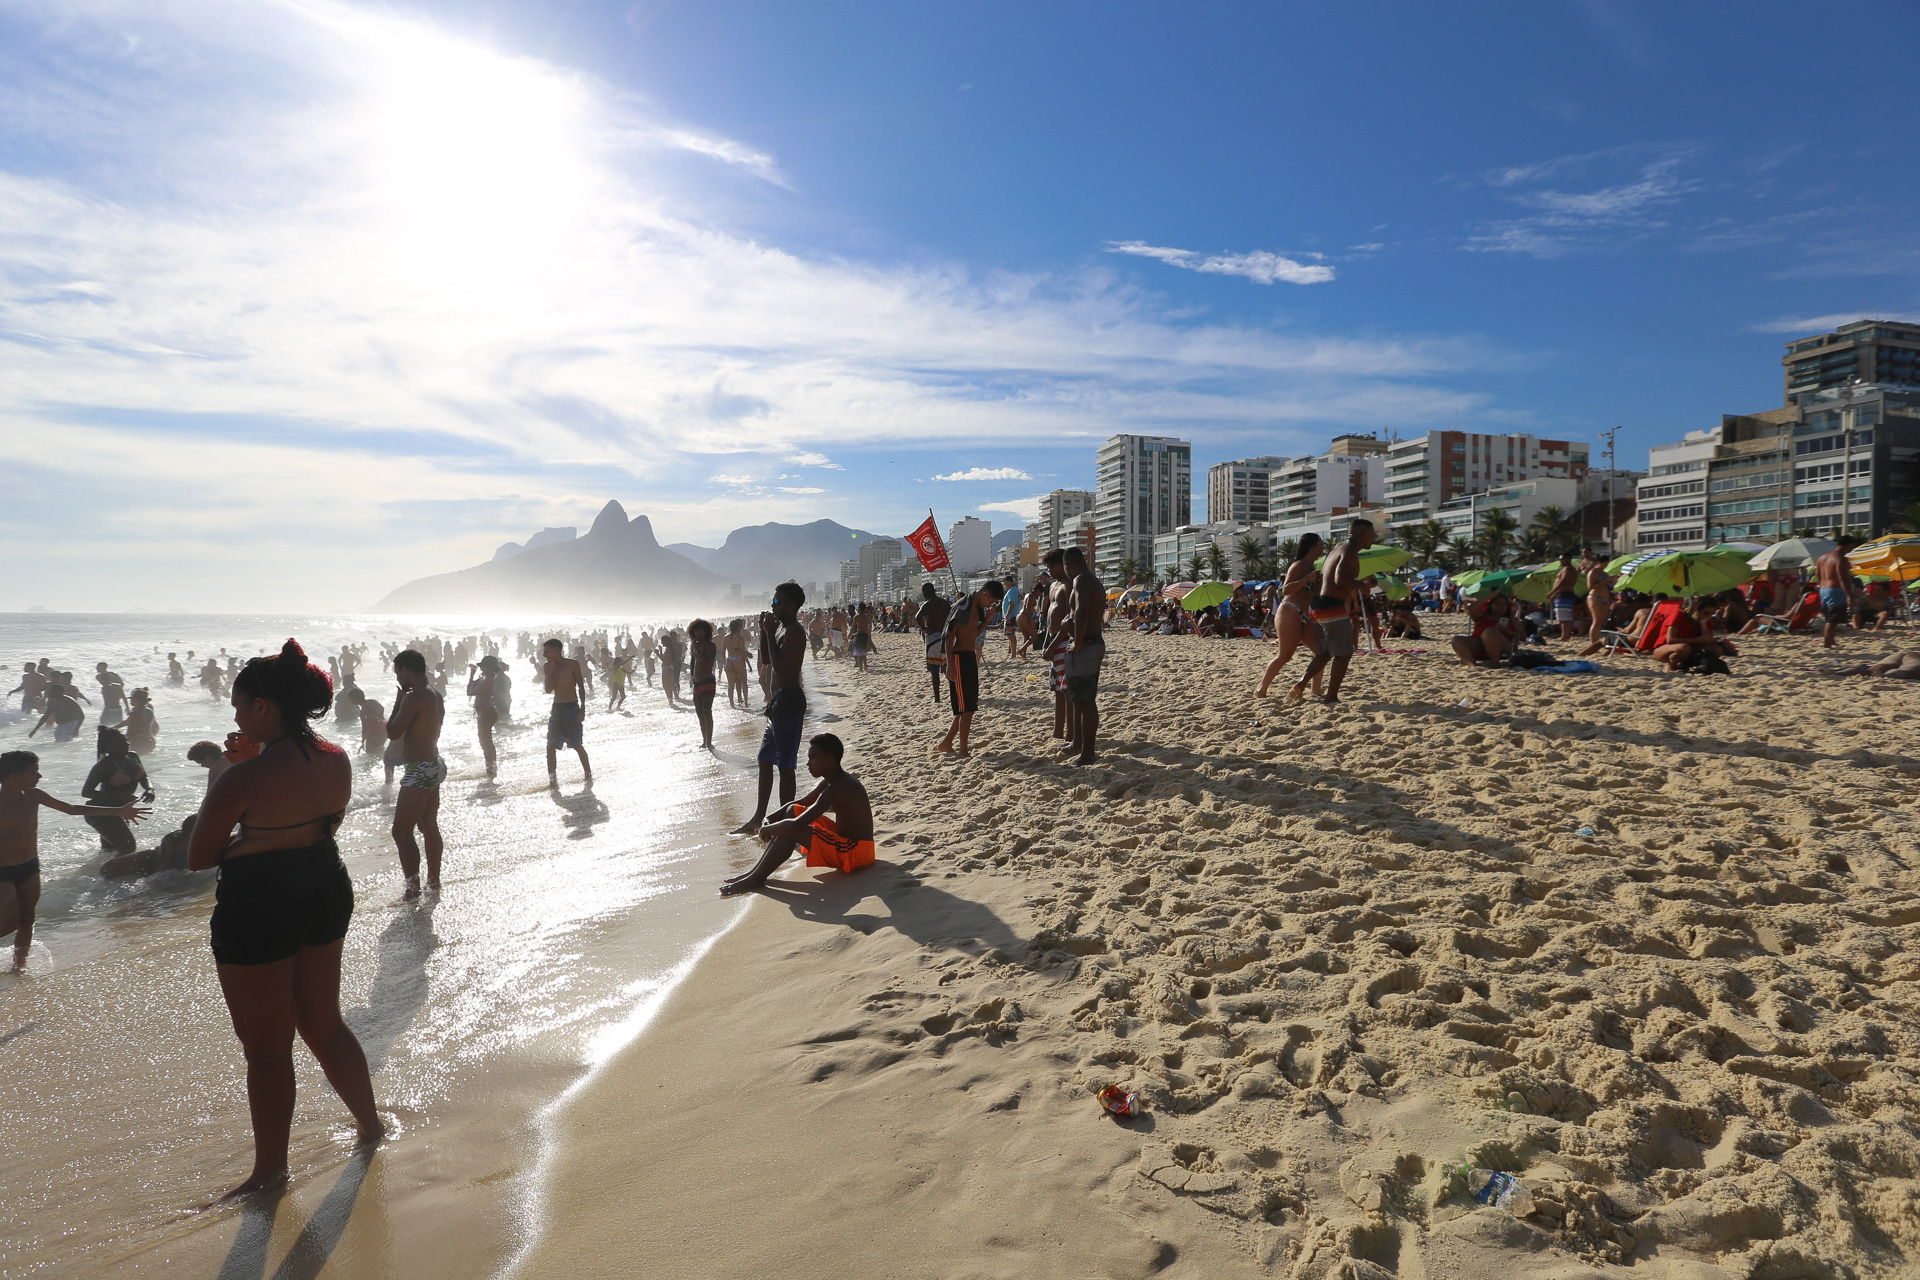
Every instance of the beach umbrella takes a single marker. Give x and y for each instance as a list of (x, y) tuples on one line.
[(1794, 553), (1896, 554), (1748, 547), (1380, 558), (1688, 573), (1174, 590), (1395, 589), (1487, 582), (1431, 573), (1205, 595)]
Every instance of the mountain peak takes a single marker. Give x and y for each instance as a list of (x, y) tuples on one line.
[(611, 520)]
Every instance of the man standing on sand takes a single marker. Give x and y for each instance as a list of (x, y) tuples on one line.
[(783, 647), (20, 803), (1332, 609), (1056, 635), (1836, 587), (931, 619), (418, 712), (963, 664), (1086, 649), (560, 676), (1565, 598)]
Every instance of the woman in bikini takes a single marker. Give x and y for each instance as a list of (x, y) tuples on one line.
[(142, 730), (114, 779), (1291, 626), (733, 652), (701, 653), (283, 902)]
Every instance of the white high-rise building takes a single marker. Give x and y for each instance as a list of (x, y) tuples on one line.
[(970, 544), (1238, 490), (1145, 487), (1060, 511), (1432, 469)]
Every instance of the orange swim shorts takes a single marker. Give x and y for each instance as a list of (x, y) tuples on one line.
[(826, 847)]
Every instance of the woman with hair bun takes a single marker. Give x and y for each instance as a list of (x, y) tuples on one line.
[(283, 902)]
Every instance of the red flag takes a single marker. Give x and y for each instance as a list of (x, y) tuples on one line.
[(926, 544)]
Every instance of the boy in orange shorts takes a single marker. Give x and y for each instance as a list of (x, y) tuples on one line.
[(843, 842)]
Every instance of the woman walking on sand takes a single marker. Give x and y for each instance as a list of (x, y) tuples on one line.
[(283, 902), (1291, 625)]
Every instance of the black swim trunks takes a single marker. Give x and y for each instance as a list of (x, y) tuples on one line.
[(21, 872), (963, 682), (268, 906)]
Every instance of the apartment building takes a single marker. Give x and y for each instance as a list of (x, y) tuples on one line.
[(1352, 472), (1059, 513), (1522, 500), (1428, 471), (970, 544), (1144, 486), (1238, 490), (1872, 352)]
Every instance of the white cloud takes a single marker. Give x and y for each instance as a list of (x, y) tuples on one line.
[(987, 473), (784, 489), (1259, 265), (1026, 509), (1826, 324), (1634, 205), (337, 243), (815, 460)]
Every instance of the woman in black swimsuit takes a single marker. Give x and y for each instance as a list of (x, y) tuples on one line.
[(117, 775), (283, 903)]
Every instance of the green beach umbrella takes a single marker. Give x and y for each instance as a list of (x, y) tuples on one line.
[(1379, 558), (1395, 589), (1205, 595), (1487, 582), (1688, 573)]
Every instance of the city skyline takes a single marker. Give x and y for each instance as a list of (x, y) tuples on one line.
[(408, 281)]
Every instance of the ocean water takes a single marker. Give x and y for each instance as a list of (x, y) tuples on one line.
[(564, 912)]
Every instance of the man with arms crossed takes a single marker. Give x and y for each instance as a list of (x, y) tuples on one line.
[(1836, 587), (20, 801), (783, 647), (561, 677), (1332, 609), (1086, 648), (843, 842), (415, 725)]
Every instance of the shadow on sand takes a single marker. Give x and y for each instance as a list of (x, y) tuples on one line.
[(247, 1257), (399, 983), (914, 909)]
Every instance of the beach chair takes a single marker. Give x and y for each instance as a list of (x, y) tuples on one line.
[(1659, 622), (1803, 616), (1615, 642)]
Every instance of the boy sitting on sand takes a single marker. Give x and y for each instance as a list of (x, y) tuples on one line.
[(844, 841)]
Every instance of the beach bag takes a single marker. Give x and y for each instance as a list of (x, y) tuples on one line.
[(1702, 663), (1528, 658)]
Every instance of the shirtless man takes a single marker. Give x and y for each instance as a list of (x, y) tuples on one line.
[(20, 801), (931, 619), (783, 647), (560, 676), (63, 712), (176, 674), (1564, 597), (1332, 610), (481, 679), (844, 841), (418, 712), (963, 665), (1086, 650), (1055, 635), (1599, 601), (32, 689), (1836, 587)]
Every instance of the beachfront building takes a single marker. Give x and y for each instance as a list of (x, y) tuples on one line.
[(1060, 513), (1866, 352), (970, 545), (1670, 504), (1145, 487), (1173, 551), (874, 555), (1330, 525), (1425, 472), (1463, 516), (1238, 490), (1352, 471)]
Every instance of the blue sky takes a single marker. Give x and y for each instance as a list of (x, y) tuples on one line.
[(301, 299)]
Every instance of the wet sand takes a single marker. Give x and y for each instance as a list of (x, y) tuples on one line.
[(564, 914), (1643, 939)]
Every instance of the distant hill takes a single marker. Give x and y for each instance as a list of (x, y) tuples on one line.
[(618, 567), (543, 538), (763, 555), (1008, 538), (699, 555)]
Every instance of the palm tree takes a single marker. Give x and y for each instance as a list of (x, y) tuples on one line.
[(1216, 561), (1908, 520), (1460, 551), (1196, 567), (1284, 554), (1253, 556), (1559, 531), (1806, 531), (1496, 534), (1425, 540), (1535, 544), (1129, 570)]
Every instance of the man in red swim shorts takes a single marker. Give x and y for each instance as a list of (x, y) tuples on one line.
[(843, 842)]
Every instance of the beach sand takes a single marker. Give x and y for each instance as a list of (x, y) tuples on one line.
[(1339, 953)]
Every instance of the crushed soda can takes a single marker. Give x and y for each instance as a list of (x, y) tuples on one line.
[(1120, 1102)]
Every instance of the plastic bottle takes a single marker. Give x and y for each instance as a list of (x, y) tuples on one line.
[(1501, 1190)]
